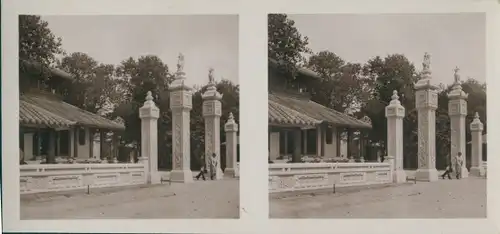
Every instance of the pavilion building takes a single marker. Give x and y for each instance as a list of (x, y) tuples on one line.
[(51, 130), (300, 128)]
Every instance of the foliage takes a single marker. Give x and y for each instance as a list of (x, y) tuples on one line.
[(38, 44), (285, 43), (93, 88)]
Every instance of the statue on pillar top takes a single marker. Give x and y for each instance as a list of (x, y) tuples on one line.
[(211, 79), (456, 75), (180, 63), (426, 66)]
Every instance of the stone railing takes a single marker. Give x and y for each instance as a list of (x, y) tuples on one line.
[(60, 177), (485, 165), (287, 177)]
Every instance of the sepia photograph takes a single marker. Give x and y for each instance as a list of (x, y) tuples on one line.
[(377, 115), (128, 117)]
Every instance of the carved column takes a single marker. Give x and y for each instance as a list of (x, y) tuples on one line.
[(231, 128), (149, 115), (395, 113), (476, 129), (212, 110), (457, 110), (426, 104), (181, 104)]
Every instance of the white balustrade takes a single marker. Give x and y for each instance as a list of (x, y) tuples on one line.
[(60, 177), (286, 177)]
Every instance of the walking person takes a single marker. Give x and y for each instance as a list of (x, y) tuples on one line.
[(449, 170), (203, 168), (213, 166), (459, 161)]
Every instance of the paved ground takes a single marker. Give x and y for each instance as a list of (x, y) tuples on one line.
[(202, 199), (464, 198)]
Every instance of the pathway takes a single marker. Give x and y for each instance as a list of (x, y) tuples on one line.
[(464, 198), (201, 199)]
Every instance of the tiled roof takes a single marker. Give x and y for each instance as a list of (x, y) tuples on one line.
[(280, 114), (31, 114), (66, 111), (315, 111), (302, 70)]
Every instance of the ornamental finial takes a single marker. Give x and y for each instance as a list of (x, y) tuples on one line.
[(231, 117), (476, 115), (395, 95), (180, 63), (456, 75), (426, 66), (149, 96), (211, 79)]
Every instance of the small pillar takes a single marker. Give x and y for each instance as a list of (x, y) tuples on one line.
[(212, 110), (28, 146), (476, 129), (426, 104), (181, 103), (457, 110), (149, 115), (395, 113), (297, 149), (231, 128)]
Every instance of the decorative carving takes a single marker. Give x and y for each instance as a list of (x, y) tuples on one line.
[(177, 142), (422, 142), (456, 75), (352, 177), (426, 66)]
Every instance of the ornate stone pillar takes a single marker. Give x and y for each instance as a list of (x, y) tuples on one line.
[(212, 110), (231, 128), (149, 115), (476, 129), (395, 113), (426, 103), (181, 100), (457, 110)]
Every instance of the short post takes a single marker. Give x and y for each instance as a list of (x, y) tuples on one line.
[(145, 163), (476, 129), (149, 115), (231, 128), (395, 113)]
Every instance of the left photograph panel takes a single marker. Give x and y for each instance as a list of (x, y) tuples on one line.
[(128, 117)]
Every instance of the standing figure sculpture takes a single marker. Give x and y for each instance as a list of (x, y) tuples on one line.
[(211, 79), (180, 63)]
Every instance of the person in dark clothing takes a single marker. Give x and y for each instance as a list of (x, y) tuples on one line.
[(448, 171), (203, 169)]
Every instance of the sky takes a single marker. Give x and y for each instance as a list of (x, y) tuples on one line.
[(451, 39), (205, 41)]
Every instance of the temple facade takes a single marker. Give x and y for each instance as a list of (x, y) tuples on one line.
[(302, 130), (53, 131)]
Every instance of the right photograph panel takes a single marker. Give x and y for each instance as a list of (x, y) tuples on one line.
[(377, 115)]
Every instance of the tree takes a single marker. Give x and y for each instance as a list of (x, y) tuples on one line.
[(37, 44), (339, 86), (394, 72), (285, 43), (93, 87)]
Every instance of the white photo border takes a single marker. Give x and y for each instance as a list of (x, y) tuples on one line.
[(254, 203)]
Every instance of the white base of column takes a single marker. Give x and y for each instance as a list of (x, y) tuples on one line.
[(477, 171), (429, 175), (399, 176), (154, 178), (181, 176), (465, 172), (230, 173)]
